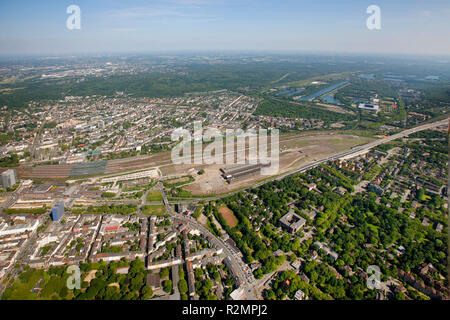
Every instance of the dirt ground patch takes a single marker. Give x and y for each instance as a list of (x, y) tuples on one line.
[(228, 215), (335, 108), (295, 151), (90, 276)]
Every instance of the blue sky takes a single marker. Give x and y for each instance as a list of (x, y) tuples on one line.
[(39, 27)]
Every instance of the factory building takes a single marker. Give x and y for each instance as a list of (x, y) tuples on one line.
[(371, 107), (237, 172)]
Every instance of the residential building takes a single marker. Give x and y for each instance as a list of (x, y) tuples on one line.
[(9, 178)]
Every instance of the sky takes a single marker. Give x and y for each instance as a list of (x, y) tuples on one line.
[(119, 26)]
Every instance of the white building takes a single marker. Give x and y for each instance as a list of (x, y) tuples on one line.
[(9, 178), (299, 295), (7, 230)]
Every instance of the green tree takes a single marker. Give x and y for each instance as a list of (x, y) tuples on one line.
[(167, 286), (163, 273), (183, 286), (146, 293)]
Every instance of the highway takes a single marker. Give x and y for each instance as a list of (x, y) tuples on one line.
[(352, 152), (246, 279), (360, 149), (248, 284)]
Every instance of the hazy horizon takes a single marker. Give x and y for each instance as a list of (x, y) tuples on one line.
[(407, 27)]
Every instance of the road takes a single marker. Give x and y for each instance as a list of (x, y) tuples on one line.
[(352, 152), (37, 137), (278, 80), (248, 283), (258, 285), (360, 149), (245, 278), (11, 199), (250, 286), (24, 251)]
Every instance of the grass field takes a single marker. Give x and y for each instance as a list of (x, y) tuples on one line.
[(21, 289), (176, 182), (228, 215), (154, 195), (154, 210)]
